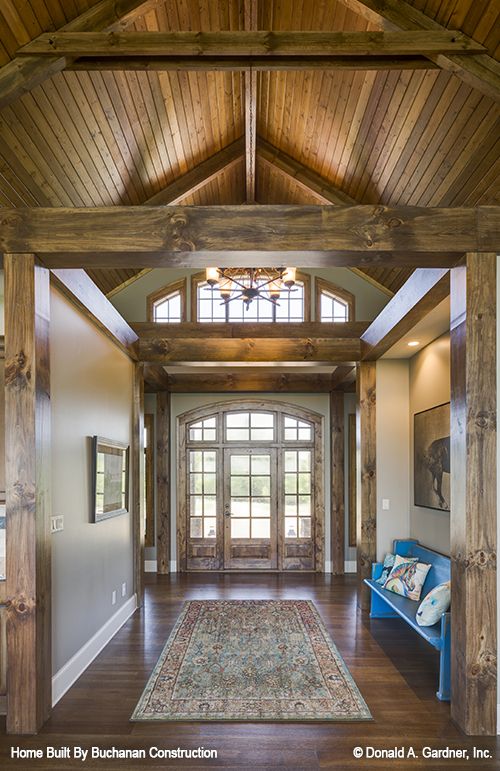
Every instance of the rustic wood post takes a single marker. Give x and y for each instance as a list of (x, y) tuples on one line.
[(27, 468), (337, 481), (473, 495), (163, 481), (138, 487), (366, 477)]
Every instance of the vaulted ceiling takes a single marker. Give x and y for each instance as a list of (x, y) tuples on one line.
[(422, 137)]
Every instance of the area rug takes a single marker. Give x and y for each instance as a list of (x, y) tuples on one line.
[(250, 660)]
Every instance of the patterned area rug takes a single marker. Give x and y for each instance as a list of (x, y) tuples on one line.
[(250, 660)]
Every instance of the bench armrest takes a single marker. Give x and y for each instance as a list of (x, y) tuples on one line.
[(377, 570)]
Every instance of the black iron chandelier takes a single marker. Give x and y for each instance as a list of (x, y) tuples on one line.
[(248, 284)]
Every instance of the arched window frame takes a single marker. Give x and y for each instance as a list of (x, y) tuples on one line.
[(321, 286), (304, 278), (155, 298)]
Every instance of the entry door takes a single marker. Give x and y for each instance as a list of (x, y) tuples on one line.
[(250, 509)]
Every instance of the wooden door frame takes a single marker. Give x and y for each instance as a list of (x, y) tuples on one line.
[(267, 405)]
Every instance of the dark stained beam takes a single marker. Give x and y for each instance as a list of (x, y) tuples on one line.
[(481, 72), (250, 87), (251, 43), (308, 351), (343, 376), (251, 381), (163, 449), (423, 291), (219, 332), (221, 229), (473, 521), (366, 477), (155, 379), (337, 482), (82, 291), (25, 72)]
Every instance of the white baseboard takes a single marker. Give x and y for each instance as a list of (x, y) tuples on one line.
[(71, 671), (328, 566), (350, 566), (151, 566)]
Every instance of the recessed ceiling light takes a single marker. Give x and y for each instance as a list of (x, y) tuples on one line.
[(413, 343)]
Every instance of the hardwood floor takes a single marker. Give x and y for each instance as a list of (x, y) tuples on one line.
[(395, 671)]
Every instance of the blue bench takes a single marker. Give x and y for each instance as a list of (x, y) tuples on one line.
[(386, 604)]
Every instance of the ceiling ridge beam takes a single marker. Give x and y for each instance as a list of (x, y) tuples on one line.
[(23, 73), (481, 72)]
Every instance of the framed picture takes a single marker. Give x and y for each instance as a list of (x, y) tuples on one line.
[(109, 478), (431, 458)]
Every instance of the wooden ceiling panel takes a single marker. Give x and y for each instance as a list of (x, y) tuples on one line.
[(479, 19)]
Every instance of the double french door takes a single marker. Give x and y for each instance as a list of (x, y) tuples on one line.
[(250, 494)]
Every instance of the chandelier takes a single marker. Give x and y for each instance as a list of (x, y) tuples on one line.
[(248, 284)]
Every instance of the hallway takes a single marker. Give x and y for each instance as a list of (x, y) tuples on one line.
[(395, 671)]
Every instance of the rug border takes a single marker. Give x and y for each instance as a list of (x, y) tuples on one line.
[(367, 716)]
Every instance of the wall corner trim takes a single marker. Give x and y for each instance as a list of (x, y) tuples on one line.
[(77, 664)]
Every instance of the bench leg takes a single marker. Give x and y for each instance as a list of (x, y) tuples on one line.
[(380, 609), (445, 659)]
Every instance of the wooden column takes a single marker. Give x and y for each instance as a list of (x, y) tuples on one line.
[(138, 485), (473, 495), (163, 481), (337, 481), (27, 469), (366, 477)]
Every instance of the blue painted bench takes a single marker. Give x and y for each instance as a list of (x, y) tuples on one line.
[(386, 604)]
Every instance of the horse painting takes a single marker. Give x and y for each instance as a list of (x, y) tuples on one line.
[(432, 458)]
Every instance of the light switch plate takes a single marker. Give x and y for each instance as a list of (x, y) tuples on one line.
[(386, 504), (57, 523)]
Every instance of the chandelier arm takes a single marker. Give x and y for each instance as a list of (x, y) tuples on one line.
[(230, 299)]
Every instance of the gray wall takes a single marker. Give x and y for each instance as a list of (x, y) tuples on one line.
[(91, 393), (429, 386), (131, 301)]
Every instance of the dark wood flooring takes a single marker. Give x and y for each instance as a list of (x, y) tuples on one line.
[(395, 671)]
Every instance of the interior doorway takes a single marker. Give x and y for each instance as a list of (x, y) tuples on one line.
[(250, 488)]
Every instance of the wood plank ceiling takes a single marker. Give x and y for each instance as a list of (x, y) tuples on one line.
[(117, 138)]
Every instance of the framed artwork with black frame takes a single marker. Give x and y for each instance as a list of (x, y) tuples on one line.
[(110, 462), (431, 458)]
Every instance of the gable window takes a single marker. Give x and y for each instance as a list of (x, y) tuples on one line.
[(168, 304), (333, 304), (207, 305)]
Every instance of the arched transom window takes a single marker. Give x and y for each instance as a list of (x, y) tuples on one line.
[(333, 303)]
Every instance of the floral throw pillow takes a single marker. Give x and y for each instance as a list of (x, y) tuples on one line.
[(434, 605), (386, 568), (407, 577)]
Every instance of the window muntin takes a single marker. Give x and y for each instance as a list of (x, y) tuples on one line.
[(203, 430), (250, 426), (333, 308), (295, 430), (202, 493), (298, 493), (169, 309), (250, 489), (211, 308)]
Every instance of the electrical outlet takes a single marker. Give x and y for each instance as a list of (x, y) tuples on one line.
[(113, 597), (57, 523), (386, 504), (124, 589)]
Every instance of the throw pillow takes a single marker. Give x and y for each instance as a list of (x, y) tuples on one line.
[(386, 568), (407, 577), (434, 605)]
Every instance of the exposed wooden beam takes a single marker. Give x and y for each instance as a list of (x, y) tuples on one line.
[(220, 332), (155, 379), (366, 477), (258, 64), (137, 475), (481, 72), (373, 281), (251, 382), (222, 229), (25, 72), (82, 291), (250, 86), (474, 495), (163, 449), (337, 482), (307, 179), (251, 43), (343, 375), (27, 468), (308, 351), (423, 291)]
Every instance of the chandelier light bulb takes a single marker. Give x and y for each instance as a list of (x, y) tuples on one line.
[(212, 276), (289, 277), (275, 289)]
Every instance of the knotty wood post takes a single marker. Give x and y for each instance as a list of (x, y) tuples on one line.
[(138, 488), (27, 469), (473, 495), (366, 477), (337, 481), (163, 481)]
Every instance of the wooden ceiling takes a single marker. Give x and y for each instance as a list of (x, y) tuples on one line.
[(420, 137)]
